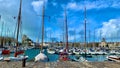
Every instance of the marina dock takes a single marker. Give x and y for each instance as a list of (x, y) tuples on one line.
[(67, 64)]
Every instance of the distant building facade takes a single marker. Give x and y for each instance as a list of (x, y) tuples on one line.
[(103, 43)]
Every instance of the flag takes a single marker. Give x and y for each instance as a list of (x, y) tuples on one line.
[(14, 17)]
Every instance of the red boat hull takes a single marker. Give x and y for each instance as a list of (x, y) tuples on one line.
[(5, 52), (64, 56), (18, 53)]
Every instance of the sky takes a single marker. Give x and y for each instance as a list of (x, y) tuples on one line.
[(102, 19)]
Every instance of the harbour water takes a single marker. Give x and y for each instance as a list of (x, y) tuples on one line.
[(54, 57), (31, 53)]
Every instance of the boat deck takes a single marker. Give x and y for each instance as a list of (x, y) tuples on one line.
[(61, 65)]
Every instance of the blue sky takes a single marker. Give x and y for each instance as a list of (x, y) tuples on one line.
[(103, 17)]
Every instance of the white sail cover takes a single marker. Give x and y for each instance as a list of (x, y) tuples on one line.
[(40, 56), (1, 58)]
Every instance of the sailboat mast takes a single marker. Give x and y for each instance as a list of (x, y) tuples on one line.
[(2, 28), (18, 26), (63, 34), (94, 38), (74, 37), (2, 38), (66, 35), (43, 24), (89, 37), (100, 35), (85, 26), (117, 38)]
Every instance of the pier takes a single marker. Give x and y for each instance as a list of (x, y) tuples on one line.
[(67, 64)]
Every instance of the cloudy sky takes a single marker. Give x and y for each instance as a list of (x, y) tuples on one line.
[(103, 19)]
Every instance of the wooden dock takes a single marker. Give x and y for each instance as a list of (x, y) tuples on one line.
[(61, 65)]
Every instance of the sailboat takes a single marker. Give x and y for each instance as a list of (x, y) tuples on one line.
[(86, 51), (41, 56), (64, 54), (17, 53), (115, 58), (51, 49), (78, 58), (5, 51)]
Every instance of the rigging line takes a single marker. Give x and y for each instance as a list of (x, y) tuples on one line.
[(2, 28), (21, 30), (15, 31), (39, 34)]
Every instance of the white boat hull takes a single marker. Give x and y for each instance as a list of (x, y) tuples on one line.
[(113, 58), (51, 52), (15, 58), (1, 58)]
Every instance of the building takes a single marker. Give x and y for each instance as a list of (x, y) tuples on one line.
[(103, 43)]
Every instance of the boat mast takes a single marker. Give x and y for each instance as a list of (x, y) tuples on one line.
[(2, 28), (89, 37), (63, 34), (85, 26), (66, 34), (43, 24), (18, 26), (100, 36), (74, 37), (94, 39), (2, 38), (116, 37)]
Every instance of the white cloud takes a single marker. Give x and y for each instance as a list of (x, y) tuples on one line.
[(54, 4), (93, 5), (8, 4), (110, 29), (37, 5), (74, 6)]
